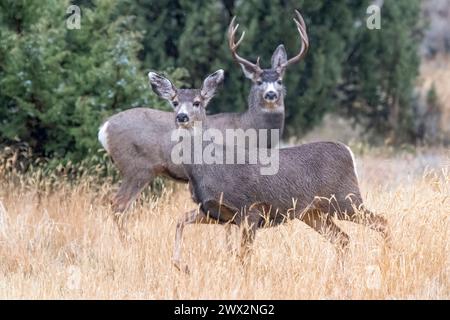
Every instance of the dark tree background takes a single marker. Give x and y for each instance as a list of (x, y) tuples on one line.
[(57, 85)]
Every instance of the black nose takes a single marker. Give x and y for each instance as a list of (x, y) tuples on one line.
[(182, 117), (271, 95)]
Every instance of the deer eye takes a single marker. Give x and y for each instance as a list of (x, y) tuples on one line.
[(175, 103), (279, 82), (196, 104), (259, 82)]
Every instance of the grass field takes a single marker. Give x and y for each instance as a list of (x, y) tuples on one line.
[(64, 244)]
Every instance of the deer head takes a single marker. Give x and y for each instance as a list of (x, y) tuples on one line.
[(189, 104), (268, 83)]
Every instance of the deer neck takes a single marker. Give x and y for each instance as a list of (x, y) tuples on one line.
[(260, 117), (195, 167)]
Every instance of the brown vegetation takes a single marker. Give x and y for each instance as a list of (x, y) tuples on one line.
[(63, 244)]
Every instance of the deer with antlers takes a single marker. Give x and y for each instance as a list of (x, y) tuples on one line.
[(316, 182)]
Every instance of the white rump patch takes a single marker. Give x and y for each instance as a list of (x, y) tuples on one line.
[(353, 159), (103, 136)]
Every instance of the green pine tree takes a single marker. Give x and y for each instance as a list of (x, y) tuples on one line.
[(381, 72), (56, 84)]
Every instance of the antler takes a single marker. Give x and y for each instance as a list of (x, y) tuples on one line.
[(301, 27), (234, 45)]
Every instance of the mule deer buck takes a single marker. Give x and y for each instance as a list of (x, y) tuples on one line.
[(137, 139), (315, 182)]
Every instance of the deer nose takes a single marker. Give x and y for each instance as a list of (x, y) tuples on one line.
[(270, 95), (182, 117)]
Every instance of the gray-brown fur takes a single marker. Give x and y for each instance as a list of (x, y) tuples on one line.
[(315, 181), (320, 169), (139, 140)]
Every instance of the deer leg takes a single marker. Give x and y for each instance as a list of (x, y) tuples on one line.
[(372, 220), (229, 237), (247, 239), (324, 225), (226, 215), (190, 217), (249, 227), (129, 190)]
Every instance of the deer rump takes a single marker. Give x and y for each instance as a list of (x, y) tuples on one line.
[(318, 176)]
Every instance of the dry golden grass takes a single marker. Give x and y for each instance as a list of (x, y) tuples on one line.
[(66, 246)]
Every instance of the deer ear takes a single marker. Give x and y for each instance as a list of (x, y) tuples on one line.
[(163, 87), (279, 57), (250, 72), (210, 85)]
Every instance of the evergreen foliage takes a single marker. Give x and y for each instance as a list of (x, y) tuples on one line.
[(57, 85)]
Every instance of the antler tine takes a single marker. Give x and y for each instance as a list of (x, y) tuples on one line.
[(301, 27), (232, 29), (236, 45), (300, 19), (231, 35)]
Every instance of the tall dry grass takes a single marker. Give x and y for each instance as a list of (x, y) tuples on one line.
[(63, 244)]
